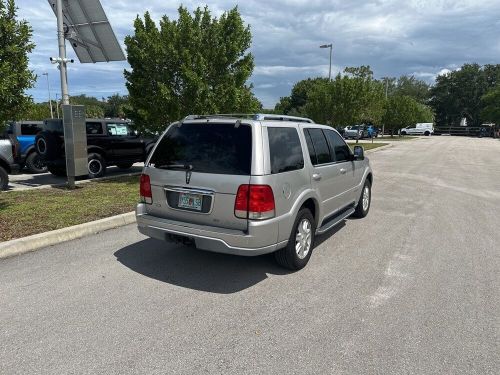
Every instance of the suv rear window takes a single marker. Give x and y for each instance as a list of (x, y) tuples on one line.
[(208, 147), (285, 150)]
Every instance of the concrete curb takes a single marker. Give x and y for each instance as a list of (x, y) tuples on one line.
[(31, 243)]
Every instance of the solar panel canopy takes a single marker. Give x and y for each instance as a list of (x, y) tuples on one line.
[(88, 30)]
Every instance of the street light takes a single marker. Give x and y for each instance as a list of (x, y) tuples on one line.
[(330, 70), (48, 88)]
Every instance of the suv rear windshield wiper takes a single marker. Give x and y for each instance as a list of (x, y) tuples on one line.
[(187, 167)]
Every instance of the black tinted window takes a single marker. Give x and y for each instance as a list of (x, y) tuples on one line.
[(30, 129), (337, 146), (310, 148), (94, 128), (320, 146), (285, 150), (208, 147)]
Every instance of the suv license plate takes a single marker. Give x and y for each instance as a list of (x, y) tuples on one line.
[(190, 201)]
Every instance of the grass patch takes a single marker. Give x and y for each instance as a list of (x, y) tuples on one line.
[(23, 213), (367, 146)]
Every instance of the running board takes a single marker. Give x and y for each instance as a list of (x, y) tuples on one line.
[(335, 220)]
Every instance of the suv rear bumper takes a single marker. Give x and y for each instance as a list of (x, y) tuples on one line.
[(255, 241)]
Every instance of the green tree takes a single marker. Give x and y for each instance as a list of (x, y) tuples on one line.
[(354, 97), (459, 94), (402, 111), (36, 111), (15, 77), (116, 105), (298, 98), (196, 64), (94, 108), (491, 106)]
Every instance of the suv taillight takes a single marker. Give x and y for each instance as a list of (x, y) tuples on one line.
[(255, 202), (145, 189)]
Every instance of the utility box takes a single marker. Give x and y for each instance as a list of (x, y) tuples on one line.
[(75, 140)]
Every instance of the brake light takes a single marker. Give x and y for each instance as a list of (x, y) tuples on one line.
[(145, 189), (255, 202)]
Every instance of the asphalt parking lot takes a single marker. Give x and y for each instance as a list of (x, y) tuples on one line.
[(413, 288)]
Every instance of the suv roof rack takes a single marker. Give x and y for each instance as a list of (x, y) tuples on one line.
[(252, 116)]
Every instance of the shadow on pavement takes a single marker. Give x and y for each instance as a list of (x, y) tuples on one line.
[(197, 269)]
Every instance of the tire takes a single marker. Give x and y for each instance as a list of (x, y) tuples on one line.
[(364, 206), (403, 133), (35, 163), (125, 165), (57, 171), (289, 257), (427, 134), (4, 179), (96, 165), (47, 146)]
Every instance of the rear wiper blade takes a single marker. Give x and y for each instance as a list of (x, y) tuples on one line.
[(187, 167)]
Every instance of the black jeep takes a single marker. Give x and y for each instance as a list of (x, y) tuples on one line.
[(109, 142)]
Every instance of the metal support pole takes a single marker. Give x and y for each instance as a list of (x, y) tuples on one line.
[(62, 52), (330, 70), (50, 100)]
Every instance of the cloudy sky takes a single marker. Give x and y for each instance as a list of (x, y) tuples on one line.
[(394, 37)]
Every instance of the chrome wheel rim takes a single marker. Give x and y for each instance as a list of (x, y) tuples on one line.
[(95, 166), (303, 238), (366, 198)]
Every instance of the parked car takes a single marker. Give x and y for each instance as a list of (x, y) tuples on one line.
[(9, 158), (251, 186), (426, 128), (356, 132), (25, 132), (109, 142)]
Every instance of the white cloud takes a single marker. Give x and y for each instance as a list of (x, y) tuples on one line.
[(421, 37)]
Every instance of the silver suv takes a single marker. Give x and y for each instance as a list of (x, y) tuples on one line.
[(251, 185)]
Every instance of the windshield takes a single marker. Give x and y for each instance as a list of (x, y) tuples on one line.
[(207, 147)]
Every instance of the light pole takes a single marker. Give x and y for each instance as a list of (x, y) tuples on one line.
[(48, 89), (329, 70), (57, 105)]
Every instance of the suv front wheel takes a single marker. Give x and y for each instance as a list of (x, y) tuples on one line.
[(364, 200), (297, 252)]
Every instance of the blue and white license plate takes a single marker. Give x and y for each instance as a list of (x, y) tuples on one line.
[(190, 201)]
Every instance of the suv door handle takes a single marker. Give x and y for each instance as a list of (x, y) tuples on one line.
[(343, 170), (316, 176)]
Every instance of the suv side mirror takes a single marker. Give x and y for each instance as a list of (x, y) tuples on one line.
[(359, 153)]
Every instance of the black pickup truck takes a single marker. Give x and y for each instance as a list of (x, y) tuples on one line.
[(109, 142)]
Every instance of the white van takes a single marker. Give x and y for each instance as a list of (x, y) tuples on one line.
[(422, 128)]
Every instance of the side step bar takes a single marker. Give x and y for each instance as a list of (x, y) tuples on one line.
[(330, 223)]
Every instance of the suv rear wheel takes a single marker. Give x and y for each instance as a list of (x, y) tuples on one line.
[(96, 165), (298, 251), (46, 145), (35, 164)]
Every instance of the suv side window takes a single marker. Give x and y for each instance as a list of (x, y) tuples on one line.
[(118, 129), (337, 146), (94, 127), (285, 150), (30, 129), (320, 146)]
